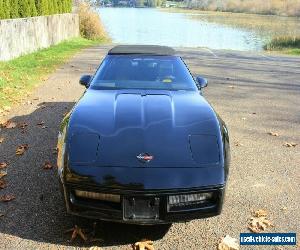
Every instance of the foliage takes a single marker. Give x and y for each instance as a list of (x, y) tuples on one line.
[(280, 43), (90, 23), (269, 7), (20, 75), (14, 10), (30, 8)]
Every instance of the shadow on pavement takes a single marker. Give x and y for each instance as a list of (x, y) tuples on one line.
[(38, 212)]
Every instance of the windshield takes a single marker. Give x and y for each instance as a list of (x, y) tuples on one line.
[(143, 72)]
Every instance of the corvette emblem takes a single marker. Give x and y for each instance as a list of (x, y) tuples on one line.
[(145, 157)]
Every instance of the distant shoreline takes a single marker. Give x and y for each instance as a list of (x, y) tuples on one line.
[(195, 10)]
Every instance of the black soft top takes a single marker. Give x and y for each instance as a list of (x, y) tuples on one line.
[(142, 49)]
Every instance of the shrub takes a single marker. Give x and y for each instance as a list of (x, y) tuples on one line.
[(14, 10), (24, 8), (59, 6), (6, 9), (279, 43), (50, 7), (90, 23), (1, 9), (32, 8), (28, 8), (44, 7)]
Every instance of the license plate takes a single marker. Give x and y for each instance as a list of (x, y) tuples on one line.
[(141, 208)]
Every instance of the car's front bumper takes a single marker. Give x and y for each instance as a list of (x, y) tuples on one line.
[(112, 211)]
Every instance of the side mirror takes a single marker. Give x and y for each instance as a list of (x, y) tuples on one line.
[(201, 82), (85, 80)]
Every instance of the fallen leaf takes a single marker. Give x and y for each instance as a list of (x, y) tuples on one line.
[(2, 174), (284, 208), (3, 165), (260, 213), (290, 144), (95, 248), (47, 165), (9, 125), (228, 243), (76, 231), (21, 149), (1, 140), (7, 197), (3, 184), (273, 133), (143, 245), (259, 224)]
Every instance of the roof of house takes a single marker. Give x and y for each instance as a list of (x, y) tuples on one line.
[(142, 49)]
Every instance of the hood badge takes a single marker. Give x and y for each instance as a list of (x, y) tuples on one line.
[(144, 157)]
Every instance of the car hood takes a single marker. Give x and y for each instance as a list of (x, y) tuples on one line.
[(110, 128)]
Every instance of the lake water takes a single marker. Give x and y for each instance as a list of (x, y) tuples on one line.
[(152, 26)]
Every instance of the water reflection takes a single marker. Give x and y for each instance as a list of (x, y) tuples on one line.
[(151, 26)]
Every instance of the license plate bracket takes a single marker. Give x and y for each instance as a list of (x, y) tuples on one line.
[(141, 208)]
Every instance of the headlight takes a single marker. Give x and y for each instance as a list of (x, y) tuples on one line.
[(185, 199), (98, 196)]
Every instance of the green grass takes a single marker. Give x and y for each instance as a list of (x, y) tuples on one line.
[(20, 76), (288, 45), (295, 52)]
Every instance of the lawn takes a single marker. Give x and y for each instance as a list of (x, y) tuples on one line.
[(20, 76)]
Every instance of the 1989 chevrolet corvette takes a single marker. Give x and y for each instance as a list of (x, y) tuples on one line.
[(142, 145)]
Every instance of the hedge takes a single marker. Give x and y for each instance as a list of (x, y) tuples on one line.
[(29, 8)]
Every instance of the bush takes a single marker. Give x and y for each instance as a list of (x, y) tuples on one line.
[(280, 43), (90, 23), (6, 9), (28, 8), (24, 8), (14, 10), (32, 8)]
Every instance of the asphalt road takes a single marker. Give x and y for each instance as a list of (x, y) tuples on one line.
[(253, 93)]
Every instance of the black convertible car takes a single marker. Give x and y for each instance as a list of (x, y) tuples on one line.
[(143, 145)]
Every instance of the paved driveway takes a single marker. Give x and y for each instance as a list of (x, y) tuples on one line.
[(253, 93)]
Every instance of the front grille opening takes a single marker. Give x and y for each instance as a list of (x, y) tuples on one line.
[(186, 202), (103, 201)]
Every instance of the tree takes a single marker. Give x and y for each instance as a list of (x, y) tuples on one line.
[(1, 10), (50, 7), (140, 3), (55, 7), (70, 5), (6, 9), (59, 6), (38, 6), (32, 7), (14, 9), (65, 6), (24, 8), (45, 7)]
